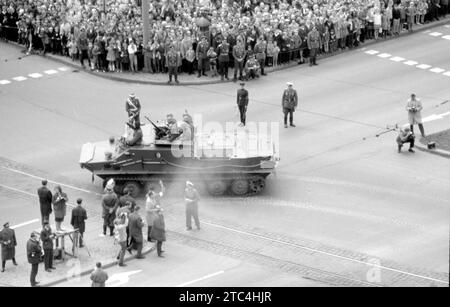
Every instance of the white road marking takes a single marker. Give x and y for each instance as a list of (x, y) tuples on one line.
[(411, 63), (54, 182), (20, 78), (437, 70), (446, 37), (423, 66), (372, 52), (397, 59), (325, 253), (120, 279), (35, 75), (436, 34), (435, 117), (63, 69), (385, 55), (51, 72), (25, 224), (447, 73), (4, 82), (447, 26), (200, 279)]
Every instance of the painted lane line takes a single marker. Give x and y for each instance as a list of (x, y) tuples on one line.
[(397, 59), (20, 79), (200, 279), (435, 117), (435, 34), (447, 26), (63, 69), (447, 73), (411, 63), (325, 253), (4, 82), (54, 182), (372, 52), (423, 66), (25, 224), (446, 37), (51, 72), (437, 70), (385, 55), (35, 75)]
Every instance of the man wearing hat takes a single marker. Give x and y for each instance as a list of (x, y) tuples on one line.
[(78, 220), (289, 103), (191, 197), (45, 201), (172, 60), (34, 252), (158, 232), (135, 225), (133, 109), (202, 56), (242, 102), (405, 136), (314, 43), (47, 244), (110, 202), (8, 243)]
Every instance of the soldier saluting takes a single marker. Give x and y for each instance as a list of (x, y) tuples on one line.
[(133, 108), (242, 102), (313, 45)]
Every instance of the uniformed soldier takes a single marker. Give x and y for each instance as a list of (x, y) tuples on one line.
[(34, 252), (223, 51), (239, 54), (202, 56), (133, 108), (172, 60), (260, 53), (242, 102), (8, 243), (414, 108), (314, 44), (191, 198), (289, 103), (78, 220)]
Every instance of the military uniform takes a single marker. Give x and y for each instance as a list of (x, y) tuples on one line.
[(8, 242), (47, 245), (172, 60), (223, 51), (314, 44), (79, 216), (260, 53), (289, 103), (133, 108), (110, 202), (202, 57), (242, 102), (34, 252), (239, 56)]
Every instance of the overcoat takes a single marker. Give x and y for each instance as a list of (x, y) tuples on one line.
[(8, 242)]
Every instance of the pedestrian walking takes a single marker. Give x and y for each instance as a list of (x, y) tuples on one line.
[(34, 253), (8, 242), (289, 103), (47, 244), (59, 206), (110, 202), (98, 276), (414, 108), (405, 136), (135, 224), (78, 220), (159, 231), (153, 200), (45, 202), (242, 103), (191, 197), (120, 228)]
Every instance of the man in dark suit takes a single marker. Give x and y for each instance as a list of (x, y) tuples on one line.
[(78, 220), (45, 201), (135, 225), (34, 252), (242, 102), (47, 244), (8, 243)]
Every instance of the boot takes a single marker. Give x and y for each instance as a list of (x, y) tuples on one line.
[(104, 230), (111, 231), (422, 130), (399, 148)]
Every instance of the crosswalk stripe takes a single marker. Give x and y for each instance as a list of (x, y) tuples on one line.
[(4, 82), (35, 75), (63, 69), (19, 79), (447, 73), (411, 63), (436, 34), (446, 37), (385, 55), (51, 72), (437, 70), (372, 52), (397, 59), (423, 66)]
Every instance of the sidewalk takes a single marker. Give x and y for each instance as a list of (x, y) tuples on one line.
[(442, 140), (162, 78)]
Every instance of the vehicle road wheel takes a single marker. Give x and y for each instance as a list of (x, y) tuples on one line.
[(216, 187), (257, 184), (240, 187), (133, 187)]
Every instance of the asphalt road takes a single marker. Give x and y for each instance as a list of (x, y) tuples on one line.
[(342, 197)]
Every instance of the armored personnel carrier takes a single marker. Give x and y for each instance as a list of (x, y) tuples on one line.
[(236, 164)]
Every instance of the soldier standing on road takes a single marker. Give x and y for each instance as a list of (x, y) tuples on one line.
[(314, 44), (239, 54), (110, 202), (191, 197), (223, 52), (59, 206), (78, 220), (47, 244), (135, 225), (98, 276), (172, 60), (159, 231), (414, 106), (289, 103), (8, 242), (202, 56), (242, 102), (34, 252), (45, 201), (133, 108), (260, 53)]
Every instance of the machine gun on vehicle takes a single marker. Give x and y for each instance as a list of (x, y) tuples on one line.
[(160, 132)]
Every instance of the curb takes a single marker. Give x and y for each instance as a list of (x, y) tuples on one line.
[(291, 65), (105, 266), (438, 152)]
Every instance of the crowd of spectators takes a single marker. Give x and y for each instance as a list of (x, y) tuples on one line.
[(108, 33)]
